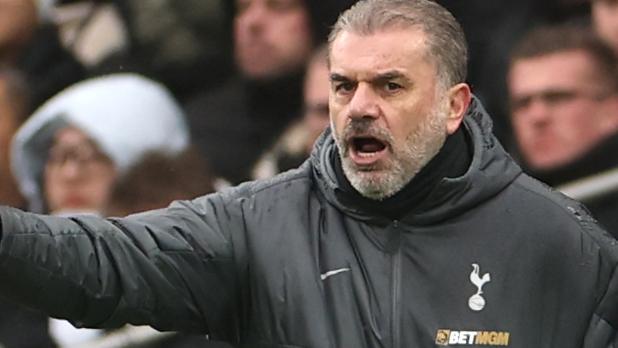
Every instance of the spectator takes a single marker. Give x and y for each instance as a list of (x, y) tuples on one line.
[(295, 145), (29, 41), (316, 90), (605, 21), (108, 123), (563, 85), (181, 176), (73, 149), (235, 124)]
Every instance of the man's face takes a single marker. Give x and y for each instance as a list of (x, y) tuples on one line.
[(317, 85), (387, 115), (18, 18), (272, 37), (605, 21), (559, 108)]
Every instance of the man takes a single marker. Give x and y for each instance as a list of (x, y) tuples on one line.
[(296, 143), (273, 39), (407, 228), (563, 84)]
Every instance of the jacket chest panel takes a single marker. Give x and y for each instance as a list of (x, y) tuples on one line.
[(352, 284)]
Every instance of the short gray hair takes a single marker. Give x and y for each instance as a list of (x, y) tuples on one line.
[(445, 38)]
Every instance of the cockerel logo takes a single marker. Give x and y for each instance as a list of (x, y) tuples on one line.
[(476, 301)]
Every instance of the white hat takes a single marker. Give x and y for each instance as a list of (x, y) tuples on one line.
[(126, 115)]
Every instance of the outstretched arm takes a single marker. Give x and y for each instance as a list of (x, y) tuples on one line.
[(171, 268)]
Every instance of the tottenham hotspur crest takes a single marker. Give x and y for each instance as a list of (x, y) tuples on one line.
[(476, 301)]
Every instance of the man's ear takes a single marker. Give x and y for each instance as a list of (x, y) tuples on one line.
[(459, 98)]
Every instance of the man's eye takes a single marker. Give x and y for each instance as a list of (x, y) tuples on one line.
[(555, 97), (344, 87), (392, 86), (519, 104)]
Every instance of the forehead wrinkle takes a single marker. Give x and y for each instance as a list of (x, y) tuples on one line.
[(414, 47)]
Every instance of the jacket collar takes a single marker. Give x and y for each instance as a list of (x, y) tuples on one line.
[(490, 171)]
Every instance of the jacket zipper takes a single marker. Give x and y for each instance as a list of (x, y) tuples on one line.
[(396, 293)]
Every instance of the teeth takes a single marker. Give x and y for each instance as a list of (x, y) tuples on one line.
[(367, 154)]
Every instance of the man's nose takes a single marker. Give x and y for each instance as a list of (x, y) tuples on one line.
[(70, 170), (538, 111), (253, 16), (364, 103)]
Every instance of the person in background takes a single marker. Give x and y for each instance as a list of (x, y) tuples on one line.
[(605, 21), (181, 176), (273, 40), (29, 42), (316, 89), (71, 152), (295, 145), (563, 86)]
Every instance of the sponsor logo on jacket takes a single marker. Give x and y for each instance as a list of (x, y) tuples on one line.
[(446, 337)]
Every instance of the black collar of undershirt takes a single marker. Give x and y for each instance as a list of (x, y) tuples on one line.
[(452, 161)]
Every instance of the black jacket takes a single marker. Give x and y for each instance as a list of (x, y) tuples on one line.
[(597, 160), (235, 123), (48, 66), (491, 258)]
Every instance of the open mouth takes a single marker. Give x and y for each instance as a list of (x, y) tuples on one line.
[(367, 150)]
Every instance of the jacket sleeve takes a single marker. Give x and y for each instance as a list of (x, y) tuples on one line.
[(603, 327), (173, 268)]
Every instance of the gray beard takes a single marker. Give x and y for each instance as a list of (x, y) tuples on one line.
[(407, 160)]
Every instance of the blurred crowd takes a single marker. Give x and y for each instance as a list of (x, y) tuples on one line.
[(112, 107)]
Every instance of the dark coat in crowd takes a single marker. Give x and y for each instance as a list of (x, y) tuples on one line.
[(233, 125), (48, 66), (601, 158)]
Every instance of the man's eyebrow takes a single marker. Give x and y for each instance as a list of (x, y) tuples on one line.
[(378, 78), (338, 77)]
